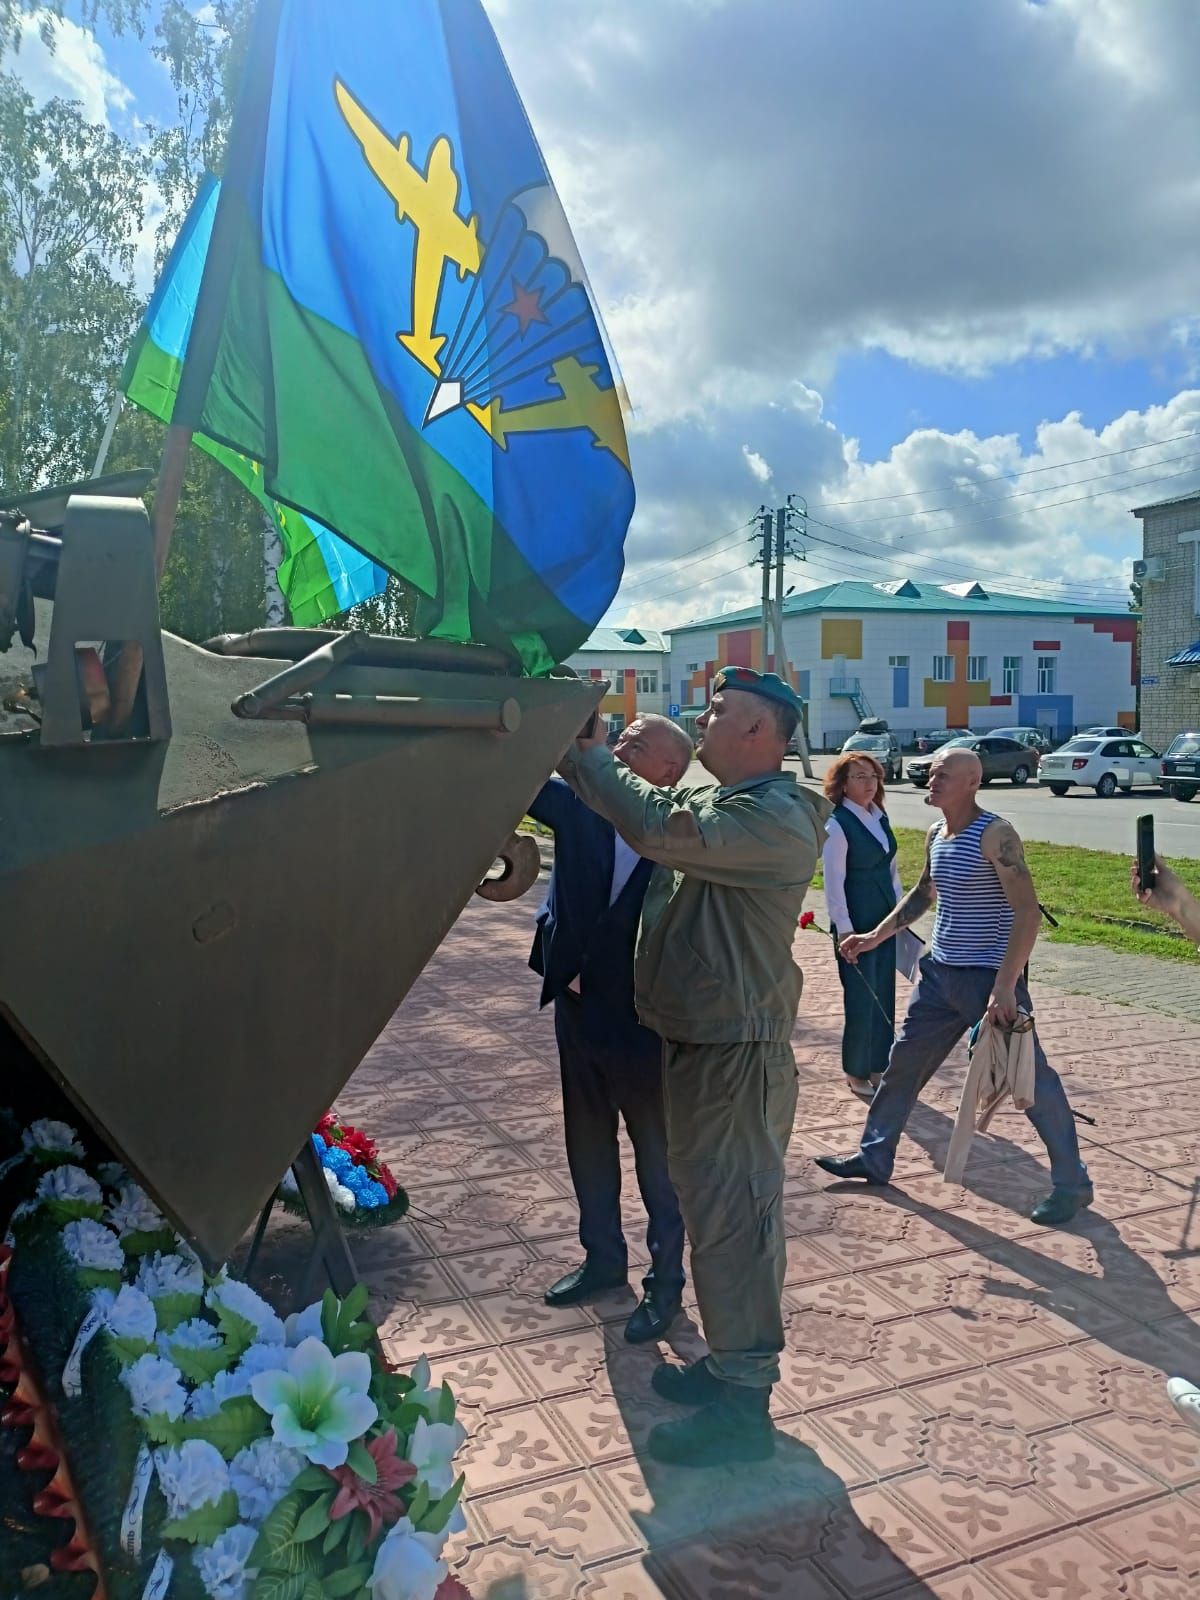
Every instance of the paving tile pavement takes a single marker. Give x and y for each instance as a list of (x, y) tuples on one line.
[(971, 1408)]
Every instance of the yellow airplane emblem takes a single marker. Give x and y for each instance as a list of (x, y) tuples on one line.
[(429, 200)]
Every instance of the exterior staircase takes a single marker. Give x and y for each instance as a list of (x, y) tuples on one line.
[(851, 689)]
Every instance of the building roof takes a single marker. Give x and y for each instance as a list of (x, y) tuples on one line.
[(906, 596), (1159, 505), (610, 641)]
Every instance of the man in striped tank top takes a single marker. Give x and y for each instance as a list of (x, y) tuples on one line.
[(987, 924)]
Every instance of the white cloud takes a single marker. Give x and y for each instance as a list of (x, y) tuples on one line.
[(75, 69), (757, 465)]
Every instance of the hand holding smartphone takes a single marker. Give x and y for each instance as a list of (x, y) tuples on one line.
[(1147, 871)]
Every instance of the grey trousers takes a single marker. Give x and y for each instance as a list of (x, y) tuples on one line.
[(946, 1002)]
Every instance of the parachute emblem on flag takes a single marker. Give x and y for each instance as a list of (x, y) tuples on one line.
[(519, 345)]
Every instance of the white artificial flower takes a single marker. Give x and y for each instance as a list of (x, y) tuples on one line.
[(288, 1183), (222, 1566), (128, 1313), (303, 1325), (343, 1198), (423, 1393), (195, 1475), (133, 1211), (90, 1244), (203, 1402), (154, 1388), (46, 1134), (172, 1273), (432, 1449), (69, 1183), (261, 1358), (241, 1299), (457, 1523), (408, 1565), (319, 1404), (195, 1334), (260, 1476)]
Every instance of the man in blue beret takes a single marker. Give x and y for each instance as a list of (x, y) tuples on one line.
[(716, 979)]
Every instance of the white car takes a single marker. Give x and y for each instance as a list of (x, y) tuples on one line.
[(1107, 733), (1105, 765)]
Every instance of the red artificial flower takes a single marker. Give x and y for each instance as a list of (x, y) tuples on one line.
[(807, 920), (378, 1499), (362, 1150), (387, 1180), (327, 1128), (451, 1589)]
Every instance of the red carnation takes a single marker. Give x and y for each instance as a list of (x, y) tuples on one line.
[(451, 1589), (327, 1128), (358, 1146), (807, 920), (388, 1182)]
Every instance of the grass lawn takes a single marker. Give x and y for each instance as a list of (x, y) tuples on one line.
[(1081, 888)]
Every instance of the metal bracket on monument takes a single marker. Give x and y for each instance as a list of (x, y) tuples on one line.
[(286, 698)]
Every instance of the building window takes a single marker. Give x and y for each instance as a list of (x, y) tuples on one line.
[(647, 683), (977, 669), (1012, 675), (943, 669), (692, 666), (897, 661), (1046, 674)]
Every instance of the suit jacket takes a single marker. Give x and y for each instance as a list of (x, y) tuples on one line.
[(579, 935)]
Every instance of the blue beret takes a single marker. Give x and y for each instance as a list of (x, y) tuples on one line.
[(768, 685)]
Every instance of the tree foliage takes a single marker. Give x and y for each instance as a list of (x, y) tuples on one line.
[(71, 208)]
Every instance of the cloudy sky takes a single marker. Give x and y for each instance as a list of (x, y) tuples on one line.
[(933, 266)]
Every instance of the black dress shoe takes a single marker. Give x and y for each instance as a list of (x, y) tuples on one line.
[(582, 1284), (847, 1167), (652, 1317), (1060, 1205), (734, 1427), (694, 1385)]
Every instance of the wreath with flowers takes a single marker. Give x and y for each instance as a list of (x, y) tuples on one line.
[(362, 1187), (191, 1442)]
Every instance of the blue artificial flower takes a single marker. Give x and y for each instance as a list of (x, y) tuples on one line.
[(339, 1162)]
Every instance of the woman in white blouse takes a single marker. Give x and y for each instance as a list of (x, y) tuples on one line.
[(862, 886)]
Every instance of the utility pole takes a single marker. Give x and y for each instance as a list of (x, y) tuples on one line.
[(767, 529), (785, 517)]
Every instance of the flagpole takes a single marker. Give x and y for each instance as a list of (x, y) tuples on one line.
[(109, 426), (249, 123)]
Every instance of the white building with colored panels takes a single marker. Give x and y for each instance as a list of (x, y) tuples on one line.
[(634, 661), (925, 656)]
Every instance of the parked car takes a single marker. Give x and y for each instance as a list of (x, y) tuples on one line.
[(1000, 758), (927, 742), (1105, 765), (1033, 737), (1182, 762), (885, 747), (1107, 733)]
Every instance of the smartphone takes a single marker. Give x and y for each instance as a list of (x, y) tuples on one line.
[(589, 726), (1147, 872)]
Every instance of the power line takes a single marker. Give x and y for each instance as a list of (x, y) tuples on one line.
[(676, 566), (1028, 472), (999, 499)]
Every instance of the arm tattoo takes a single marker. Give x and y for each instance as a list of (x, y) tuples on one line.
[(919, 898), (1009, 853), (915, 903)]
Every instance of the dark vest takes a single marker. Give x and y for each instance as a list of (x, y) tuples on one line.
[(870, 893)]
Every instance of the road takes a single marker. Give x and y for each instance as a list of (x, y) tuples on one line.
[(1080, 817)]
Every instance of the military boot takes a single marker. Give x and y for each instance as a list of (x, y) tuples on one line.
[(734, 1427)]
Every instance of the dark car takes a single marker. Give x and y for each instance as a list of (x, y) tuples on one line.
[(1033, 737), (885, 747), (1181, 766), (1001, 758), (928, 742)]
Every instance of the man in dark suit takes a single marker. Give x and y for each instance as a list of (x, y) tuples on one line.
[(611, 1066)]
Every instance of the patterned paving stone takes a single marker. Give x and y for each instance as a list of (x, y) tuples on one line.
[(971, 1408)]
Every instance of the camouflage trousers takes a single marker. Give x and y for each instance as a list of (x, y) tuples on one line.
[(730, 1109)]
